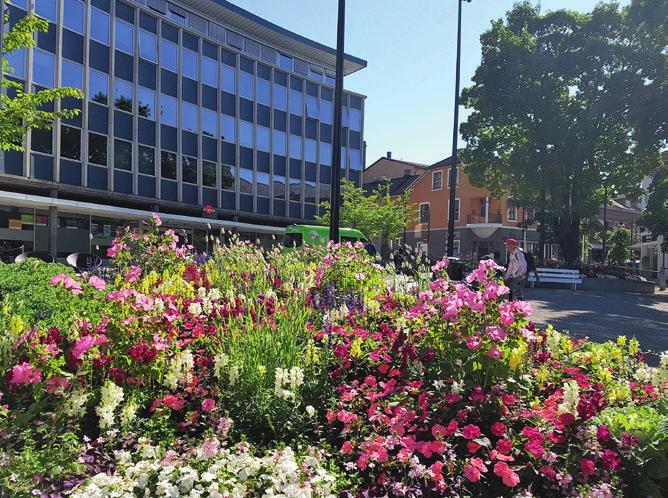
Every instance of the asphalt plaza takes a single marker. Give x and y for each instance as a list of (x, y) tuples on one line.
[(603, 316)]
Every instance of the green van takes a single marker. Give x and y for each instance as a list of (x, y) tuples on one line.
[(314, 235)]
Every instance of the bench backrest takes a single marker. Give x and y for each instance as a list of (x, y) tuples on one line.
[(557, 275)]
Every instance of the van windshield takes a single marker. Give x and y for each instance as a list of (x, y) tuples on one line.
[(349, 239), (292, 240)]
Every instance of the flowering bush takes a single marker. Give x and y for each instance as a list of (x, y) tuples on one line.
[(306, 373)]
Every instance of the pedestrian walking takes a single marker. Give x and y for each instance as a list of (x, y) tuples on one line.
[(516, 273)]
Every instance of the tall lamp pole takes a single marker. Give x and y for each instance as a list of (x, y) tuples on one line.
[(335, 199), (455, 135)]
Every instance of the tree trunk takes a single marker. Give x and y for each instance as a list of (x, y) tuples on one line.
[(570, 241), (384, 248)]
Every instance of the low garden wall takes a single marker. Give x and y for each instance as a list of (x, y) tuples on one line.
[(617, 285)]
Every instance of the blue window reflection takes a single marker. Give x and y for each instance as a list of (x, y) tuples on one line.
[(189, 63), (246, 181), (263, 138), (355, 159), (326, 112), (310, 150), (263, 91), (98, 86), (228, 76), (168, 55), (295, 147), (72, 74), (228, 128), (148, 48), (189, 117), (296, 103), (99, 25), (209, 72), (325, 153), (17, 61), (278, 143), (312, 108), (74, 15), (168, 111), (262, 184), (246, 85), (146, 103), (280, 97), (46, 9), (123, 95), (43, 68), (279, 187), (209, 119), (125, 37), (356, 119), (246, 133)]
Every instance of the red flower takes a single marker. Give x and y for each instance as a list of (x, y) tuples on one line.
[(472, 446), (173, 402), (549, 472), (474, 468), (587, 467), (535, 447), (347, 448), (498, 429), (507, 475), (471, 431), (504, 446), (611, 460), (208, 405), (603, 434)]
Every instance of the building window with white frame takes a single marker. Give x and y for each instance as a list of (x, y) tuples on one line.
[(424, 213), (456, 177), (512, 212), (457, 206), (437, 180)]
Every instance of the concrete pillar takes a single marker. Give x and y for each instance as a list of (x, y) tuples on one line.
[(53, 231)]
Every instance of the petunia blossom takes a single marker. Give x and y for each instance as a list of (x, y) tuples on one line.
[(68, 282), (85, 344), (25, 373), (97, 283)]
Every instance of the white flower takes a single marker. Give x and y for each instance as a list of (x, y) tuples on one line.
[(234, 374), (128, 413), (75, 405), (179, 370), (112, 395), (571, 398), (195, 309), (220, 362), (310, 411)]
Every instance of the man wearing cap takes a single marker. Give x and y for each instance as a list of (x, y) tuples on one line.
[(516, 273)]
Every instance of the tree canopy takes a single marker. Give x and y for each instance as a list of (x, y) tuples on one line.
[(22, 111), (655, 216), (568, 108), (377, 214)]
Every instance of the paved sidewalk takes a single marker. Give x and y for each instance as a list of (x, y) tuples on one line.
[(603, 316)]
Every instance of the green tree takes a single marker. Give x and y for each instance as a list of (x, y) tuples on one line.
[(620, 240), (568, 107), (22, 111), (377, 214), (655, 216)]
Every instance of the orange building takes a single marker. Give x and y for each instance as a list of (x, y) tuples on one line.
[(482, 223)]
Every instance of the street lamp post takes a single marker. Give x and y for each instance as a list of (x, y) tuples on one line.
[(335, 199), (605, 222), (455, 135)]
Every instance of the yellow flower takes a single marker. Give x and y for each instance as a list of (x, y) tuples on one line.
[(356, 348), (621, 341), (16, 324), (634, 346), (262, 370), (604, 375), (516, 355)]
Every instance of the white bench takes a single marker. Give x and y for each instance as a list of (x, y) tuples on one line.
[(557, 276)]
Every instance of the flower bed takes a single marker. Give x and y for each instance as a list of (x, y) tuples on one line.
[(307, 374)]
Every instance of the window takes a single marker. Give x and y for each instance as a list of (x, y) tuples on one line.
[(226, 177), (168, 55), (263, 91), (263, 138), (456, 178), (424, 213), (295, 147), (296, 103), (228, 77), (246, 85), (99, 25), (309, 192), (512, 212), (43, 68), (310, 150), (355, 159), (98, 86), (168, 112), (457, 205), (278, 143), (179, 18), (437, 180), (209, 72), (17, 61), (46, 9), (228, 128), (209, 119), (245, 181), (285, 61), (262, 184), (125, 37), (72, 74), (146, 103), (146, 157), (326, 112), (246, 134), (189, 63), (73, 19), (280, 97), (189, 169), (325, 154), (148, 46), (70, 142), (295, 190), (97, 149), (208, 174), (189, 116), (455, 248), (168, 165), (122, 155), (279, 187), (123, 95), (42, 141), (355, 119), (312, 108)]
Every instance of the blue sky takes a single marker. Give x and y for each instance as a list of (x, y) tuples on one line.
[(410, 49)]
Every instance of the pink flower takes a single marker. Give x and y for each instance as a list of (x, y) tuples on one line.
[(495, 353), (587, 467), (347, 448), (210, 447), (85, 344), (470, 431), (97, 282), (611, 460), (25, 373), (473, 342), (67, 282), (603, 434), (173, 402), (132, 274), (535, 447), (498, 429), (156, 219), (440, 265), (208, 405), (496, 333), (474, 468), (507, 475), (56, 384)]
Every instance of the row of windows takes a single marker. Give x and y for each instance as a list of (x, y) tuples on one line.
[(425, 211)]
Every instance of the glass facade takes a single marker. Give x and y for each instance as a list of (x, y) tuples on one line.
[(176, 115)]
